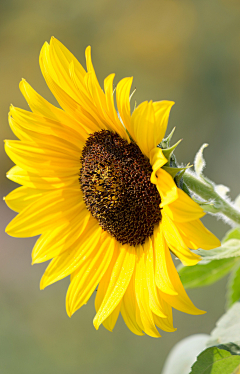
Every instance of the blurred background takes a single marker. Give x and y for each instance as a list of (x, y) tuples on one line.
[(182, 50)]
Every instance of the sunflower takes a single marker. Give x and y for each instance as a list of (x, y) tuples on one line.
[(96, 188)]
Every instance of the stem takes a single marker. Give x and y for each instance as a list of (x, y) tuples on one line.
[(206, 191)]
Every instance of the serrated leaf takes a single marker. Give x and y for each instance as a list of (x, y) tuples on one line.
[(203, 275), (233, 287), (215, 361), (227, 328)]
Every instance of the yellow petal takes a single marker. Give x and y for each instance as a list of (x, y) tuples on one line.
[(154, 302), (123, 103), (129, 308), (67, 102), (149, 122), (46, 128), (157, 160), (116, 124), (143, 125), (180, 301), (21, 197), (58, 67), (53, 243), (65, 264), (142, 296), (184, 209), (41, 141), (64, 54), (165, 324), (24, 177), (176, 243), (32, 158), (97, 93), (85, 279), (162, 110), (110, 321), (50, 210), (167, 188), (188, 242), (43, 108), (45, 149), (162, 254), (119, 281), (199, 235)]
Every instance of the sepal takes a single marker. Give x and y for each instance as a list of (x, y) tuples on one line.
[(168, 152), (165, 143), (176, 172)]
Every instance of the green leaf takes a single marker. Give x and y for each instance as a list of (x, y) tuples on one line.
[(232, 234), (233, 348), (227, 329), (230, 248), (233, 287), (203, 275), (215, 361)]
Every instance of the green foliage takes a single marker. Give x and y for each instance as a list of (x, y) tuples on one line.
[(230, 248), (215, 361), (233, 348), (233, 289), (227, 330), (203, 275), (215, 265), (232, 234)]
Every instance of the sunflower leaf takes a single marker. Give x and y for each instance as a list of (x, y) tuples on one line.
[(227, 330), (232, 234), (204, 274), (214, 361), (233, 287), (230, 248)]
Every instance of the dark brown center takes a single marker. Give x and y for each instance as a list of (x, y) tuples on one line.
[(115, 181)]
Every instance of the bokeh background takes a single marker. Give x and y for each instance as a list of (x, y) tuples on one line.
[(182, 50)]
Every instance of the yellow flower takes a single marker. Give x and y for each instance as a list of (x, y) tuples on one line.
[(93, 186)]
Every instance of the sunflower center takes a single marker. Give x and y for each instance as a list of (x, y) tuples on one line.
[(115, 181)]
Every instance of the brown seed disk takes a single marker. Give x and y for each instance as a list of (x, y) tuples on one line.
[(115, 181)]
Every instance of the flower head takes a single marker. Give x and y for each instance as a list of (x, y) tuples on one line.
[(95, 188)]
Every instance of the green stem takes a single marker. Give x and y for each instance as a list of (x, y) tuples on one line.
[(206, 191)]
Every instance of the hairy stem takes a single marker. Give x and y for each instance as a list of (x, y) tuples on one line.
[(207, 192)]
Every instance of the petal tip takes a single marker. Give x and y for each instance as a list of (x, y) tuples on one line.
[(96, 323), (42, 283)]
